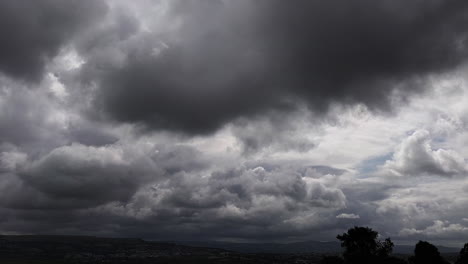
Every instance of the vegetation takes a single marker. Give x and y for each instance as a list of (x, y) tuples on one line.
[(463, 256), (361, 246), (426, 253)]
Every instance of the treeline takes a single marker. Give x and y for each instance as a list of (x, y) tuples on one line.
[(361, 246)]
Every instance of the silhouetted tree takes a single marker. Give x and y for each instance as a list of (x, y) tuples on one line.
[(463, 256), (385, 248), (426, 253), (362, 246), (332, 260)]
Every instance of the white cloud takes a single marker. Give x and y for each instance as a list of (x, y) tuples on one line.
[(415, 157), (10, 160), (347, 216), (437, 230)]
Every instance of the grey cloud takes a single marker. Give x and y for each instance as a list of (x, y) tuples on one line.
[(80, 176), (90, 134), (18, 195), (347, 216), (84, 173), (260, 65), (33, 31), (245, 187), (440, 229), (321, 170), (11, 159), (36, 122), (415, 157), (230, 59), (174, 159), (252, 202), (406, 209), (278, 132), (25, 118), (422, 209)]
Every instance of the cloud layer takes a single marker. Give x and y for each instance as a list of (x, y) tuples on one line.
[(229, 59), (34, 31), (234, 120)]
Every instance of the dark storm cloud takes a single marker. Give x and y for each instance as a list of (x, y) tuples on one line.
[(90, 134), (25, 118), (246, 202), (259, 65), (80, 172), (80, 176), (240, 58), (275, 132), (33, 31), (32, 120), (87, 188)]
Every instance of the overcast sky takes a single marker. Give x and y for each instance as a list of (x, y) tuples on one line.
[(239, 120)]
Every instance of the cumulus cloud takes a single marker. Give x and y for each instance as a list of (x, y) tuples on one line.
[(254, 201), (233, 119), (415, 156), (437, 230), (347, 216), (27, 117), (265, 71), (79, 172), (80, 176), (33, 32), (228, 59), (11, 160), (273, 134), (114, 182), (253, 190)]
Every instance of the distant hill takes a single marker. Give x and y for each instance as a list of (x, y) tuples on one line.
[(277, 248), (408, 249), (296, 247), (93, 250), (88, 249)]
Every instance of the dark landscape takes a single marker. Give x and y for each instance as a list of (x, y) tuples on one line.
[(81, 249), (296, 247), (30, 249)]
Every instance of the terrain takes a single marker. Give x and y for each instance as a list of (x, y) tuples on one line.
[(302, 247), (88, 249), (82, 249)]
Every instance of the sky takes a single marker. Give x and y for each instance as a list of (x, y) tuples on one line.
[(234, 120)]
